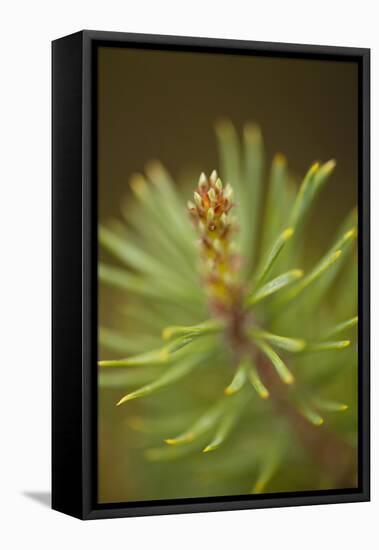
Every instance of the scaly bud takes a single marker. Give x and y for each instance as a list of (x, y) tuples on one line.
[(198, 199), (210, 215), (228, 192), (220, 260), (203, 181), (212, 195), (213, 177)]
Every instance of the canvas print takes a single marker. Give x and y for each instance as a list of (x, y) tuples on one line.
[(227, 275)]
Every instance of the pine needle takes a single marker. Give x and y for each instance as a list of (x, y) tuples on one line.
[(154, 357), (320, 268), (312, 183), (268, 469), (172, 375), (282, 342), (283, 371), (342, 327), (202, 425), (238, 380), (253, 179), (275, 285), (272, 255), (257, 383), (207, 327), (226, 425), (330, 406), (309, 414), (327, 346)]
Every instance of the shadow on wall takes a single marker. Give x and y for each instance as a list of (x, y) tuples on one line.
[(41, 497)]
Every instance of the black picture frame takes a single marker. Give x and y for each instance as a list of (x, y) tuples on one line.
[(74, 272)]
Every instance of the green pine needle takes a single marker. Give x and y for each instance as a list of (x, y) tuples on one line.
[(218, 247), (280, 282)]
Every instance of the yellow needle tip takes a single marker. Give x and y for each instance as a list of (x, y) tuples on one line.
[(351, 234), (329, 166), (123, 400), (167, 333), (298, 273), (138, 184), (287, 233), (209, 448), (344, 344), (280, 159)]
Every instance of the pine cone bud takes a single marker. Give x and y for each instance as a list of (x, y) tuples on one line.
[(220, 263)]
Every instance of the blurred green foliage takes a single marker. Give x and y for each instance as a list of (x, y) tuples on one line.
[(204, 419)]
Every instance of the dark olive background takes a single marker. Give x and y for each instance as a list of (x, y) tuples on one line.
[(163, 105)]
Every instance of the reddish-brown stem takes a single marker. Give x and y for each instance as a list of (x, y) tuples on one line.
[(334, 456)]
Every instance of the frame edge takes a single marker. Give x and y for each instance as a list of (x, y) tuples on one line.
[(67, 475)]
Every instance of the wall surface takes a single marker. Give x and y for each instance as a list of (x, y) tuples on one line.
[(28, 28)]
